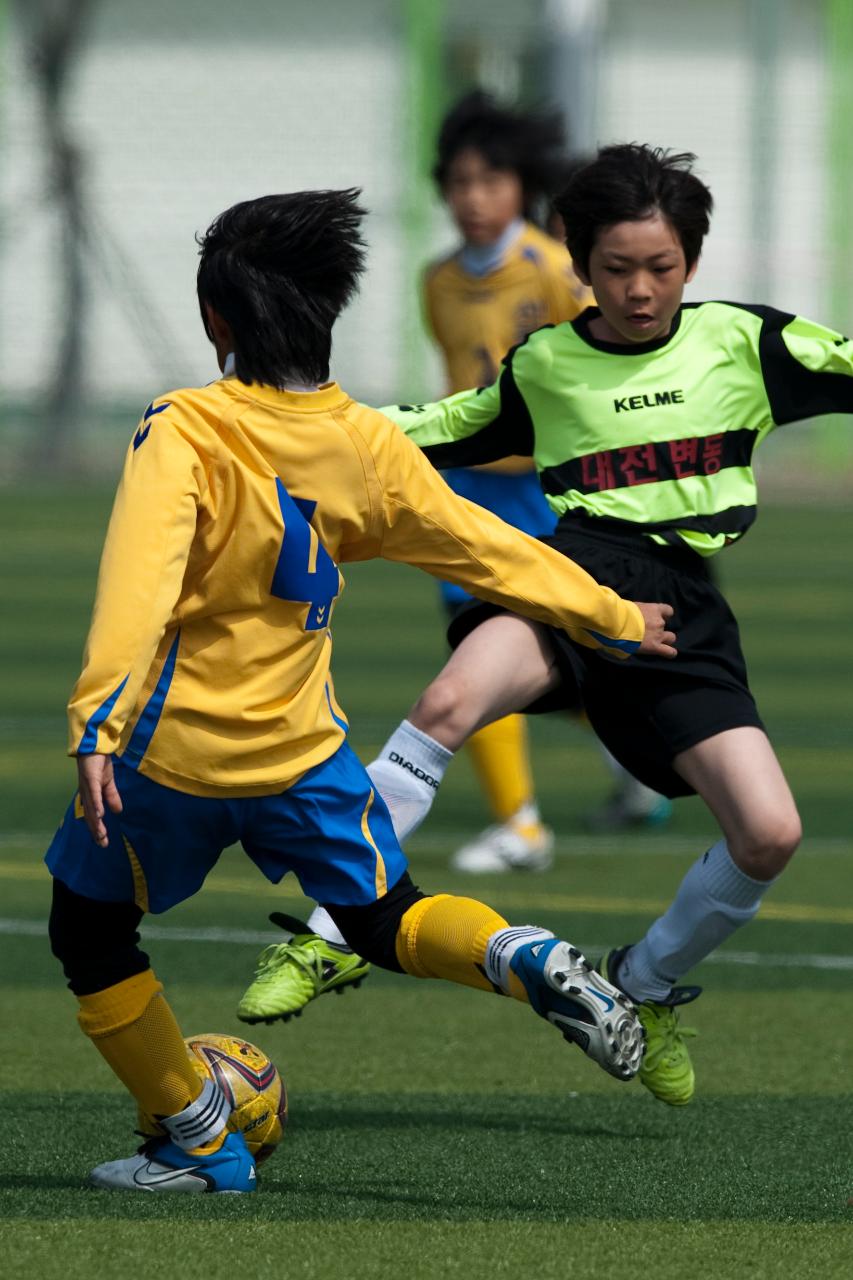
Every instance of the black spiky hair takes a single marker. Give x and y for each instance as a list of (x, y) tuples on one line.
[(279, 270), (530, 144), (628, 182)]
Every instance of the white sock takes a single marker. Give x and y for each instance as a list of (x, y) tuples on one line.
[(407, 773), (321, 922), (713, 899), (503, 945), (200, 1122), (526, 816)]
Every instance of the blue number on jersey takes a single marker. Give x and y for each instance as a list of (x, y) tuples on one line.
[(294, 579)]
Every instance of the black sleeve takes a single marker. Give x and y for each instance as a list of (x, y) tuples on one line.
[(807, 369), (509, 432)]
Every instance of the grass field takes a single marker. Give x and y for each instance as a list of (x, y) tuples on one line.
[(435, 1131)]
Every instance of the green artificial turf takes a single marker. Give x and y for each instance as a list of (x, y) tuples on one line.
[(435, 1131)]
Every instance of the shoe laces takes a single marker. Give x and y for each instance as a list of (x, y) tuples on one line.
[(668, 1033), (277, 954)]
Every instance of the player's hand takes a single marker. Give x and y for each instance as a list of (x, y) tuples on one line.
[(97, 790), (657, 639)]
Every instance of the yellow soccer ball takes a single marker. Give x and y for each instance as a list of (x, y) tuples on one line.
[(250, 1082)]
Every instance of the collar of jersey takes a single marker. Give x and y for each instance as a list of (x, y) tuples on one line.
[(328, 396), (481, 261), (504, 271), (581, 327)]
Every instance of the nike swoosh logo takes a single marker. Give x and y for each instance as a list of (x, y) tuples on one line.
[(605, 1000), (149, 1175)]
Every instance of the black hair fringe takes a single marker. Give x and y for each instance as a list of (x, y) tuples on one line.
[(279, 270)]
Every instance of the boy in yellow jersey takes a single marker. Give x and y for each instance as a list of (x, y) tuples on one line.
[(205, 713), (494, 165), (506, 279)]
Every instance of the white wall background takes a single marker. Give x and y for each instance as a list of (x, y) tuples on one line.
[(183, 108)]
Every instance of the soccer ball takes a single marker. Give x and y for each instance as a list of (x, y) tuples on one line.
[(251, 1084)]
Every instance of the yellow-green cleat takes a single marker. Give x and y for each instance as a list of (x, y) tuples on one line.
[(666, 1069), (291, 974)]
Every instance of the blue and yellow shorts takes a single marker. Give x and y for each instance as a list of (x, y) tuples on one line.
[(331, 829)]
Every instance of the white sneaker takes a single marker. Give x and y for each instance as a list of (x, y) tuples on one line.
[(160, 1165), (505, 847)]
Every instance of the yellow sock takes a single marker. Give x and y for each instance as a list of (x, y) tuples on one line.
[(134, 1030), (501, 759), (445, 937)]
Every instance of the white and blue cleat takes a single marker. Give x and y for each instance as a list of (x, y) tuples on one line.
[(584, 1006), (161, 1165)]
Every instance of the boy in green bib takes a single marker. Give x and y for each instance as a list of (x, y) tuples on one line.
[(642, 416)]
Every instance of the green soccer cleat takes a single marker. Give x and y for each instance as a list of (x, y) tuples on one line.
[(291, 974), (666, 1069)]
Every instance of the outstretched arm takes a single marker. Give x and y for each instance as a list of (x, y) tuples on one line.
[(807, 368), (470, 428), (426, 524)]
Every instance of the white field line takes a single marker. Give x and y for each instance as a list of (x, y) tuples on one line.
[(666, 844), (260, 937)]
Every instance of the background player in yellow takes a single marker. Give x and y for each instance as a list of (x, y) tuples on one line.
[(205, 713), (496, 169)]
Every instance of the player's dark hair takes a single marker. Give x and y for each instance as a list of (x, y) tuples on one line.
[(530, 144), (629, 182), (279, 270)]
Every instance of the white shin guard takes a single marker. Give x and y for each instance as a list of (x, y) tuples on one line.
[(200, 1122)]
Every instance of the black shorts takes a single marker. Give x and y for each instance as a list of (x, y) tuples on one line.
[(646, 710)]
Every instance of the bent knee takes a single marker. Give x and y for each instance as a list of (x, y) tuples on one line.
[(445, 710), (766, 848)]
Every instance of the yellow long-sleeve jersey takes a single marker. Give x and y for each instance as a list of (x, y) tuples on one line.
[(476, 319), (207, 664)]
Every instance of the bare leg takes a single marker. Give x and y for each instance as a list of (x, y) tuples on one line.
[(502, 666), (738, 776)]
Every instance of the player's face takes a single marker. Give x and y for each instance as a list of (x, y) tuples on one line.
[(483, 200), (638, 272)]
